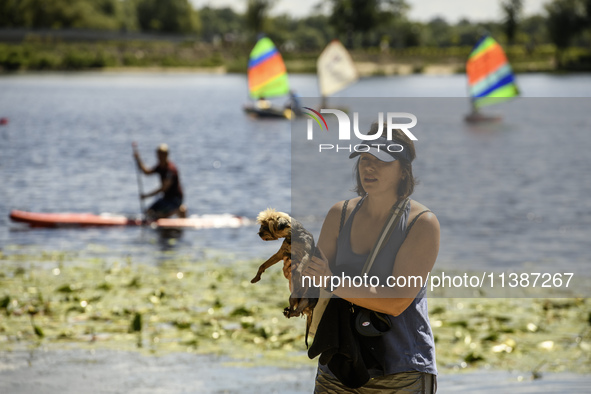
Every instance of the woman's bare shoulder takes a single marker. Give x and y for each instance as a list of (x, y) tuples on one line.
[(336, 211), (427, 218), (338, 207), (417, 207)]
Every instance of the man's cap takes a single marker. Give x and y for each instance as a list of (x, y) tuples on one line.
[(383, 149), (162, 148)]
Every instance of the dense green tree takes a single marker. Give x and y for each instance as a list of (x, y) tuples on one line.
[(587, 25), (168, 16), (438, 32), (281, 30), (309, 39), (128, 16), (89, 14), (223, 23), (587, 17), (320, 24), (306, 34), (468, 34), (349, 17), (534, 28), (565, 20), (512, 10), (256, 15)]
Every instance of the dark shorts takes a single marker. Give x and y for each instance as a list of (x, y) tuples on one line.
[(412, 382), (166, 206)]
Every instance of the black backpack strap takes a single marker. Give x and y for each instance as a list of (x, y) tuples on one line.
[(343, 214), (413, 221)]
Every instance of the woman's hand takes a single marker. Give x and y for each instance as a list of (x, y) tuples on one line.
[(318, 268)]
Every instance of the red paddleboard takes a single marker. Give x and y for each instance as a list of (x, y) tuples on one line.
[(35, 219)]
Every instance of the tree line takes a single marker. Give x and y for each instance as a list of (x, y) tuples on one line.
[(358, 23), (164, 16)]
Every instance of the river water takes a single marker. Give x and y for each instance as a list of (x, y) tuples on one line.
[(67, 148)]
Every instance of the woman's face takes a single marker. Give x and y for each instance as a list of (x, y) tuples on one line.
[(379, 176)]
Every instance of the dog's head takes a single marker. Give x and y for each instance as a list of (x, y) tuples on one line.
[(274, 225)]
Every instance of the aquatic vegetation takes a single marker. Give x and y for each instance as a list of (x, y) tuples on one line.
[(180, 305), (212, 308)]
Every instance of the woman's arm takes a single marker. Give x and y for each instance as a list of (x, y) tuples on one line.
[(414, 261)]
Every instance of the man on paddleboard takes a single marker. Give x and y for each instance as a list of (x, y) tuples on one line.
[(171, 200)]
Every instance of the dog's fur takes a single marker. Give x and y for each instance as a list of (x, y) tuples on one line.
[(275, 225)]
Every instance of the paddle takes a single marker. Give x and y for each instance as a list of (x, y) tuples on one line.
[(139, 184)]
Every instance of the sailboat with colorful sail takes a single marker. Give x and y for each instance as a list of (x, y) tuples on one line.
[(490, 78), (267, 78), (335, 69)]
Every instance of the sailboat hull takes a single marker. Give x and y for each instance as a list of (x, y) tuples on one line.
[(482, 118), (271, 112)]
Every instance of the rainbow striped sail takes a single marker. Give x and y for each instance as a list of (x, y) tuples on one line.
[(267, 76), (490, 78)]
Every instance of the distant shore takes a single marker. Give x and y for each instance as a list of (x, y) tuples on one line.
[(204, 58), (365, 69)]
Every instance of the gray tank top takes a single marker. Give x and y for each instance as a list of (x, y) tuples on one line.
[(409, 345)]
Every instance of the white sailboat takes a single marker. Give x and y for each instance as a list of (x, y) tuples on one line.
[(335, 69)]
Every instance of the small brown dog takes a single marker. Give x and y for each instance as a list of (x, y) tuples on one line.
[(275, 225)]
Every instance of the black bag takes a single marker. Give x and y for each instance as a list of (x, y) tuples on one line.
[(370, 323)]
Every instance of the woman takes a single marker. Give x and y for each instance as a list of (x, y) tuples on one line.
[(405, 353)]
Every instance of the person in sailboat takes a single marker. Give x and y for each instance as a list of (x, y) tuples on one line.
[(263, 103), (390, 345), (294, 103), (171, 200)]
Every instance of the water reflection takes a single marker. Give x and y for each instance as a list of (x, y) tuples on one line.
[(169, 238)]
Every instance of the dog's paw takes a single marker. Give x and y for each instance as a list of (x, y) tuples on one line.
[(287, 312), (255, 279)]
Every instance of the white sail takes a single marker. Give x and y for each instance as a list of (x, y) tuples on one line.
[(336, 69)]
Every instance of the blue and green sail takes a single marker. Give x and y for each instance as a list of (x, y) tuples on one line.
[(267, 75)]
